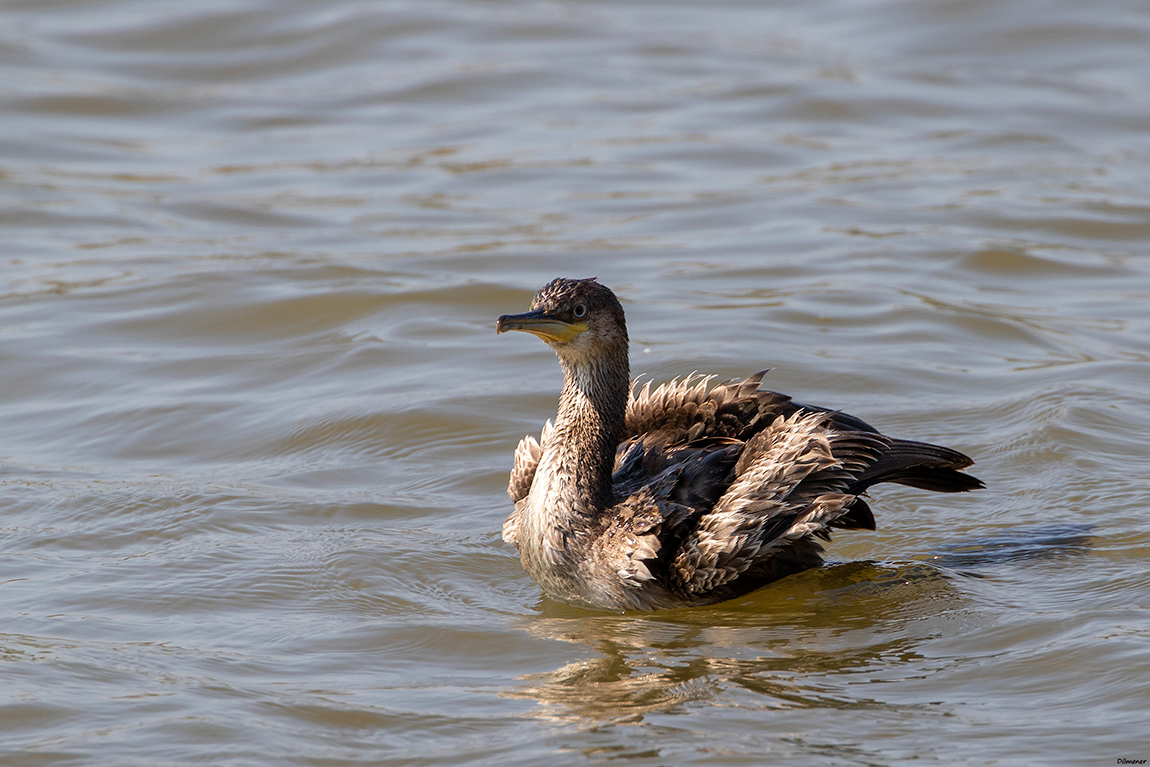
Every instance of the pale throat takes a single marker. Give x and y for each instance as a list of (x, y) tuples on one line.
[(573, 480)]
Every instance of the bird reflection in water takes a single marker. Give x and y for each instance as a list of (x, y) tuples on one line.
[(808, 641), (792, 644)]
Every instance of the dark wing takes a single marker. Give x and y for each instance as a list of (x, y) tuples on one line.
[(792, 482), (749, 479), (685, 411), (683, 423), (693, 432)]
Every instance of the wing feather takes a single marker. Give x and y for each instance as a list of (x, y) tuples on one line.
[(527, 455), (789, 485), (686, 409)]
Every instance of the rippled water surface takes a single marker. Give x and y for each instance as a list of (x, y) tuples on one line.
[(255, 423)]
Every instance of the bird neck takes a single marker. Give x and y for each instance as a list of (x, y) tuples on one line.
[(572, 484), (590, 425)]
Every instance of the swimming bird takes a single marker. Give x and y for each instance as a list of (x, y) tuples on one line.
[(689, 493)]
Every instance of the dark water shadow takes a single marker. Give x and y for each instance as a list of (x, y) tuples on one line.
[(1010, 546)]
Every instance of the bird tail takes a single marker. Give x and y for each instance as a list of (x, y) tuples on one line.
[(921, 465)]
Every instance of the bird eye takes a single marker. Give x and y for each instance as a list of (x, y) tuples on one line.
[(580, 310)]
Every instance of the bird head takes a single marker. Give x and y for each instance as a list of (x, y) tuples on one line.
[(579, 319)]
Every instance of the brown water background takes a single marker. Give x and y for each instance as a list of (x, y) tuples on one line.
[(255, 423)]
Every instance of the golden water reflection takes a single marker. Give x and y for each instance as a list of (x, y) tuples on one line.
[(791, 645), (805, 642)]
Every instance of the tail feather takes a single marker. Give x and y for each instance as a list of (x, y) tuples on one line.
[(921, 465), (940, 480)]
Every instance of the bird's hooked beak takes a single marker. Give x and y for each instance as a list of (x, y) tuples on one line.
[(546, 326)]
